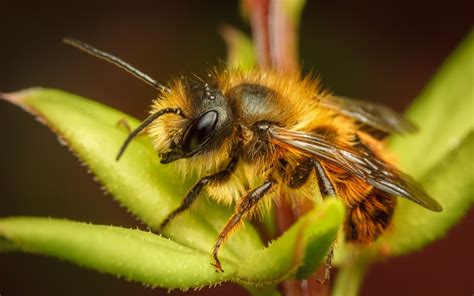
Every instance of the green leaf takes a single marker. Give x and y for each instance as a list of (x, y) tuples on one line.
[(443, 113), (451, 182), (240, 51), (439, 156), (132, 254), (157, 261), (299, 250), (145, 187)]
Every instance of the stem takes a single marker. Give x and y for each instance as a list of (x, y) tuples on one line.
[(283, 36), (258, 13), (349, 278), (274, 31)]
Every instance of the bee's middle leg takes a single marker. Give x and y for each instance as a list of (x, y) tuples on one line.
[(245, 206), (326, 187), (298, 178), (325, 184)]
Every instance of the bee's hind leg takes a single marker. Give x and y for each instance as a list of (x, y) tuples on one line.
[(192, 194), (298, 178), (327, 190), (245, 206)]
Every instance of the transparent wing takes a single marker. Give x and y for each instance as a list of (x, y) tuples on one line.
[(373, 115), (358, 161)]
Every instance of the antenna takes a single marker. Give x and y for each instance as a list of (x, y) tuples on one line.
[(116, 61), (144, 124)]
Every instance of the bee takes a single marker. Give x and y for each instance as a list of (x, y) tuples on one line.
[(252, 134)]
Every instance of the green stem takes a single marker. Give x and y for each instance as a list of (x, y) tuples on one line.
[(350, 277)]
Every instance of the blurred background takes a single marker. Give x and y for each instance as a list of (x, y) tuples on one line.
[(383, 51)]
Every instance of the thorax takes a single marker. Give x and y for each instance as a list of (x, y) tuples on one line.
[(254, 102)]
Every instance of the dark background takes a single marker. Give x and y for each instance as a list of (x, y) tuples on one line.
[(382, 52)]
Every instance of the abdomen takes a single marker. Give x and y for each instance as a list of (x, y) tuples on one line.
[(369, 210), (368, 219)]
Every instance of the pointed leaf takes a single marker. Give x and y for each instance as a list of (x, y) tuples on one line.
[(144, 186), (284, 19), (132, 254), (451, 182)]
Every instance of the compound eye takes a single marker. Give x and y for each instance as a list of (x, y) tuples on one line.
[(199, 131)]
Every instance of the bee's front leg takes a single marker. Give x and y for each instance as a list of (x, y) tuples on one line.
[(245, 206), (192, 194)]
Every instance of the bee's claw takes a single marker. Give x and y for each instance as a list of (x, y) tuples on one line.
[(217, 265), (324, 280), (326, 277), (162, 226), (327, 268)]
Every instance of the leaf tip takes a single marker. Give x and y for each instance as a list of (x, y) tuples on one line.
[(18, 98)]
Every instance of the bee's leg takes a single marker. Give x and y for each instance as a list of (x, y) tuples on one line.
[(301, 173), (327, 267), (244, 207), (327, 190), (325, 184), (192, 194), (298, 178)]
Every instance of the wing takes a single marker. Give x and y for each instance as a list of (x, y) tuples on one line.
[(373, 115), (360, 162)]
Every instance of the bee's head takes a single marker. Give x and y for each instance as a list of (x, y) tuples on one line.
[(189, 118), (192, 118)]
